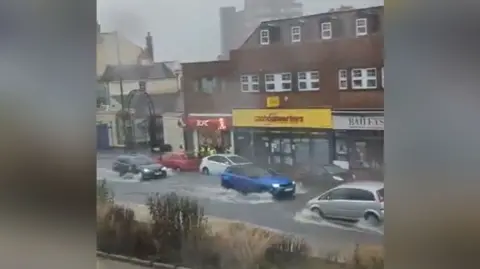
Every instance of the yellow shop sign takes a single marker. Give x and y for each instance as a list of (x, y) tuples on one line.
[(283, 118), (273, 101)]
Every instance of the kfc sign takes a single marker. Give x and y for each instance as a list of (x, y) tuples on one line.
[(220, 123)]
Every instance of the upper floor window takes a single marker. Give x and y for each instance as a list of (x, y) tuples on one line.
[(361, 27), (278, 82), (206, 85), (308, 81), (364, 78), (326, 30), (264, 37), (383, 78), (296, 32), (250, 83), (342, 79)]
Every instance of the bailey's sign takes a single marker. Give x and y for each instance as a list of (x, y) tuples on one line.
[(358, 122)]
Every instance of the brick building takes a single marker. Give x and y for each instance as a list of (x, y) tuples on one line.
[(298, 92)]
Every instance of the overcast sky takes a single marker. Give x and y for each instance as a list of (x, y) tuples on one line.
[(185, 30)]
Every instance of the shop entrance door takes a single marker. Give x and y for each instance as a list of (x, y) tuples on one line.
[(282, 152)]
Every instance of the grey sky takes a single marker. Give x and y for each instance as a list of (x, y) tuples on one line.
[(185, 30)]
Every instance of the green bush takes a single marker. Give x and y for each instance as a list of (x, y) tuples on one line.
[(104, 194), (179, 234), (178, 227)]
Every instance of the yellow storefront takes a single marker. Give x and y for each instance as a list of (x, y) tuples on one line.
[(284, 137)]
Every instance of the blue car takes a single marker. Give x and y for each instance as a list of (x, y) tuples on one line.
[(249, 178)]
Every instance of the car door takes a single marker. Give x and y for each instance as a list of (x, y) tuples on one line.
[(336, 203), (237, 180), (359, 201)]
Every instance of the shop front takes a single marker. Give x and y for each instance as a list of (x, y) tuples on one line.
[(359, 140), (284, 137), (209, 129)]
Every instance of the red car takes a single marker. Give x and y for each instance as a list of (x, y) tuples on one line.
[(180, 161)]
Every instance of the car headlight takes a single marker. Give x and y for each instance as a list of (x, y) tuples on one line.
[(164, 168), (276, 185), (293, 182), (146, 170), (337, 178)]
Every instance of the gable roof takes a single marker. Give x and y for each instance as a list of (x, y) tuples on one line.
[(330, 12), (137, 72)]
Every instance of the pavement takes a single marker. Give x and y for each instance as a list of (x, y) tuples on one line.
[(259, 209)]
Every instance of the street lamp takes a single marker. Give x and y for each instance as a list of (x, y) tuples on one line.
[(122, 95)]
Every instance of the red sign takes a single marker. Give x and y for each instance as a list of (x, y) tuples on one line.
[(217, 123)]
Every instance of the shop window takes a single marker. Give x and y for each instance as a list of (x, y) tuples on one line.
[(341, 150), (367, 154), (308, 81)]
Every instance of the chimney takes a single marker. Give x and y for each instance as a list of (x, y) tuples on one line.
[(149, 47)]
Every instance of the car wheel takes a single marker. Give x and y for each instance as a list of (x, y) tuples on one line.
[(318, 212), (372, 219), (205, 171)]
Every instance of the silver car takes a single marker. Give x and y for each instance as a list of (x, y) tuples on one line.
[(352, 201)]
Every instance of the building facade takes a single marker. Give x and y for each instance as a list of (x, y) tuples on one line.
[(300, 92), (236, 25)]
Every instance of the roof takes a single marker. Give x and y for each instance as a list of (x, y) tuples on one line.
[(266, 23), (164, 102), (366, 185), (137, 72)]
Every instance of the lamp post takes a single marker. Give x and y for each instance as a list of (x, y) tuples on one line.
[(122, 95)]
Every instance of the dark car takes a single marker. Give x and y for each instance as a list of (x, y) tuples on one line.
[(249, 178), (328, 176), (139, 164)]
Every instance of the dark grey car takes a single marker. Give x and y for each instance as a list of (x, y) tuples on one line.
[(139, 164)]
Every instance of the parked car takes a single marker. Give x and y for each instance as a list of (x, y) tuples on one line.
[(352, 201), (249, 178), (139, 164), (217, 163), (180, 161), (326, 176)]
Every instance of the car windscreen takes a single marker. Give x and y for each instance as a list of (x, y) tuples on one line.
[(252, 171), (333, 169), (381, 194), (142, 160), (238, 159)]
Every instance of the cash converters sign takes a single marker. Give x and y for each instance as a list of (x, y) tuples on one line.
[(282, 118)]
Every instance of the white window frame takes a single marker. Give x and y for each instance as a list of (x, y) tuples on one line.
[(364, 78), (277, 80), (361, 30), (309, 78), (383, 78), (264, 37), (342, 77), (250, 81), (326, 33), (296, 36)]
